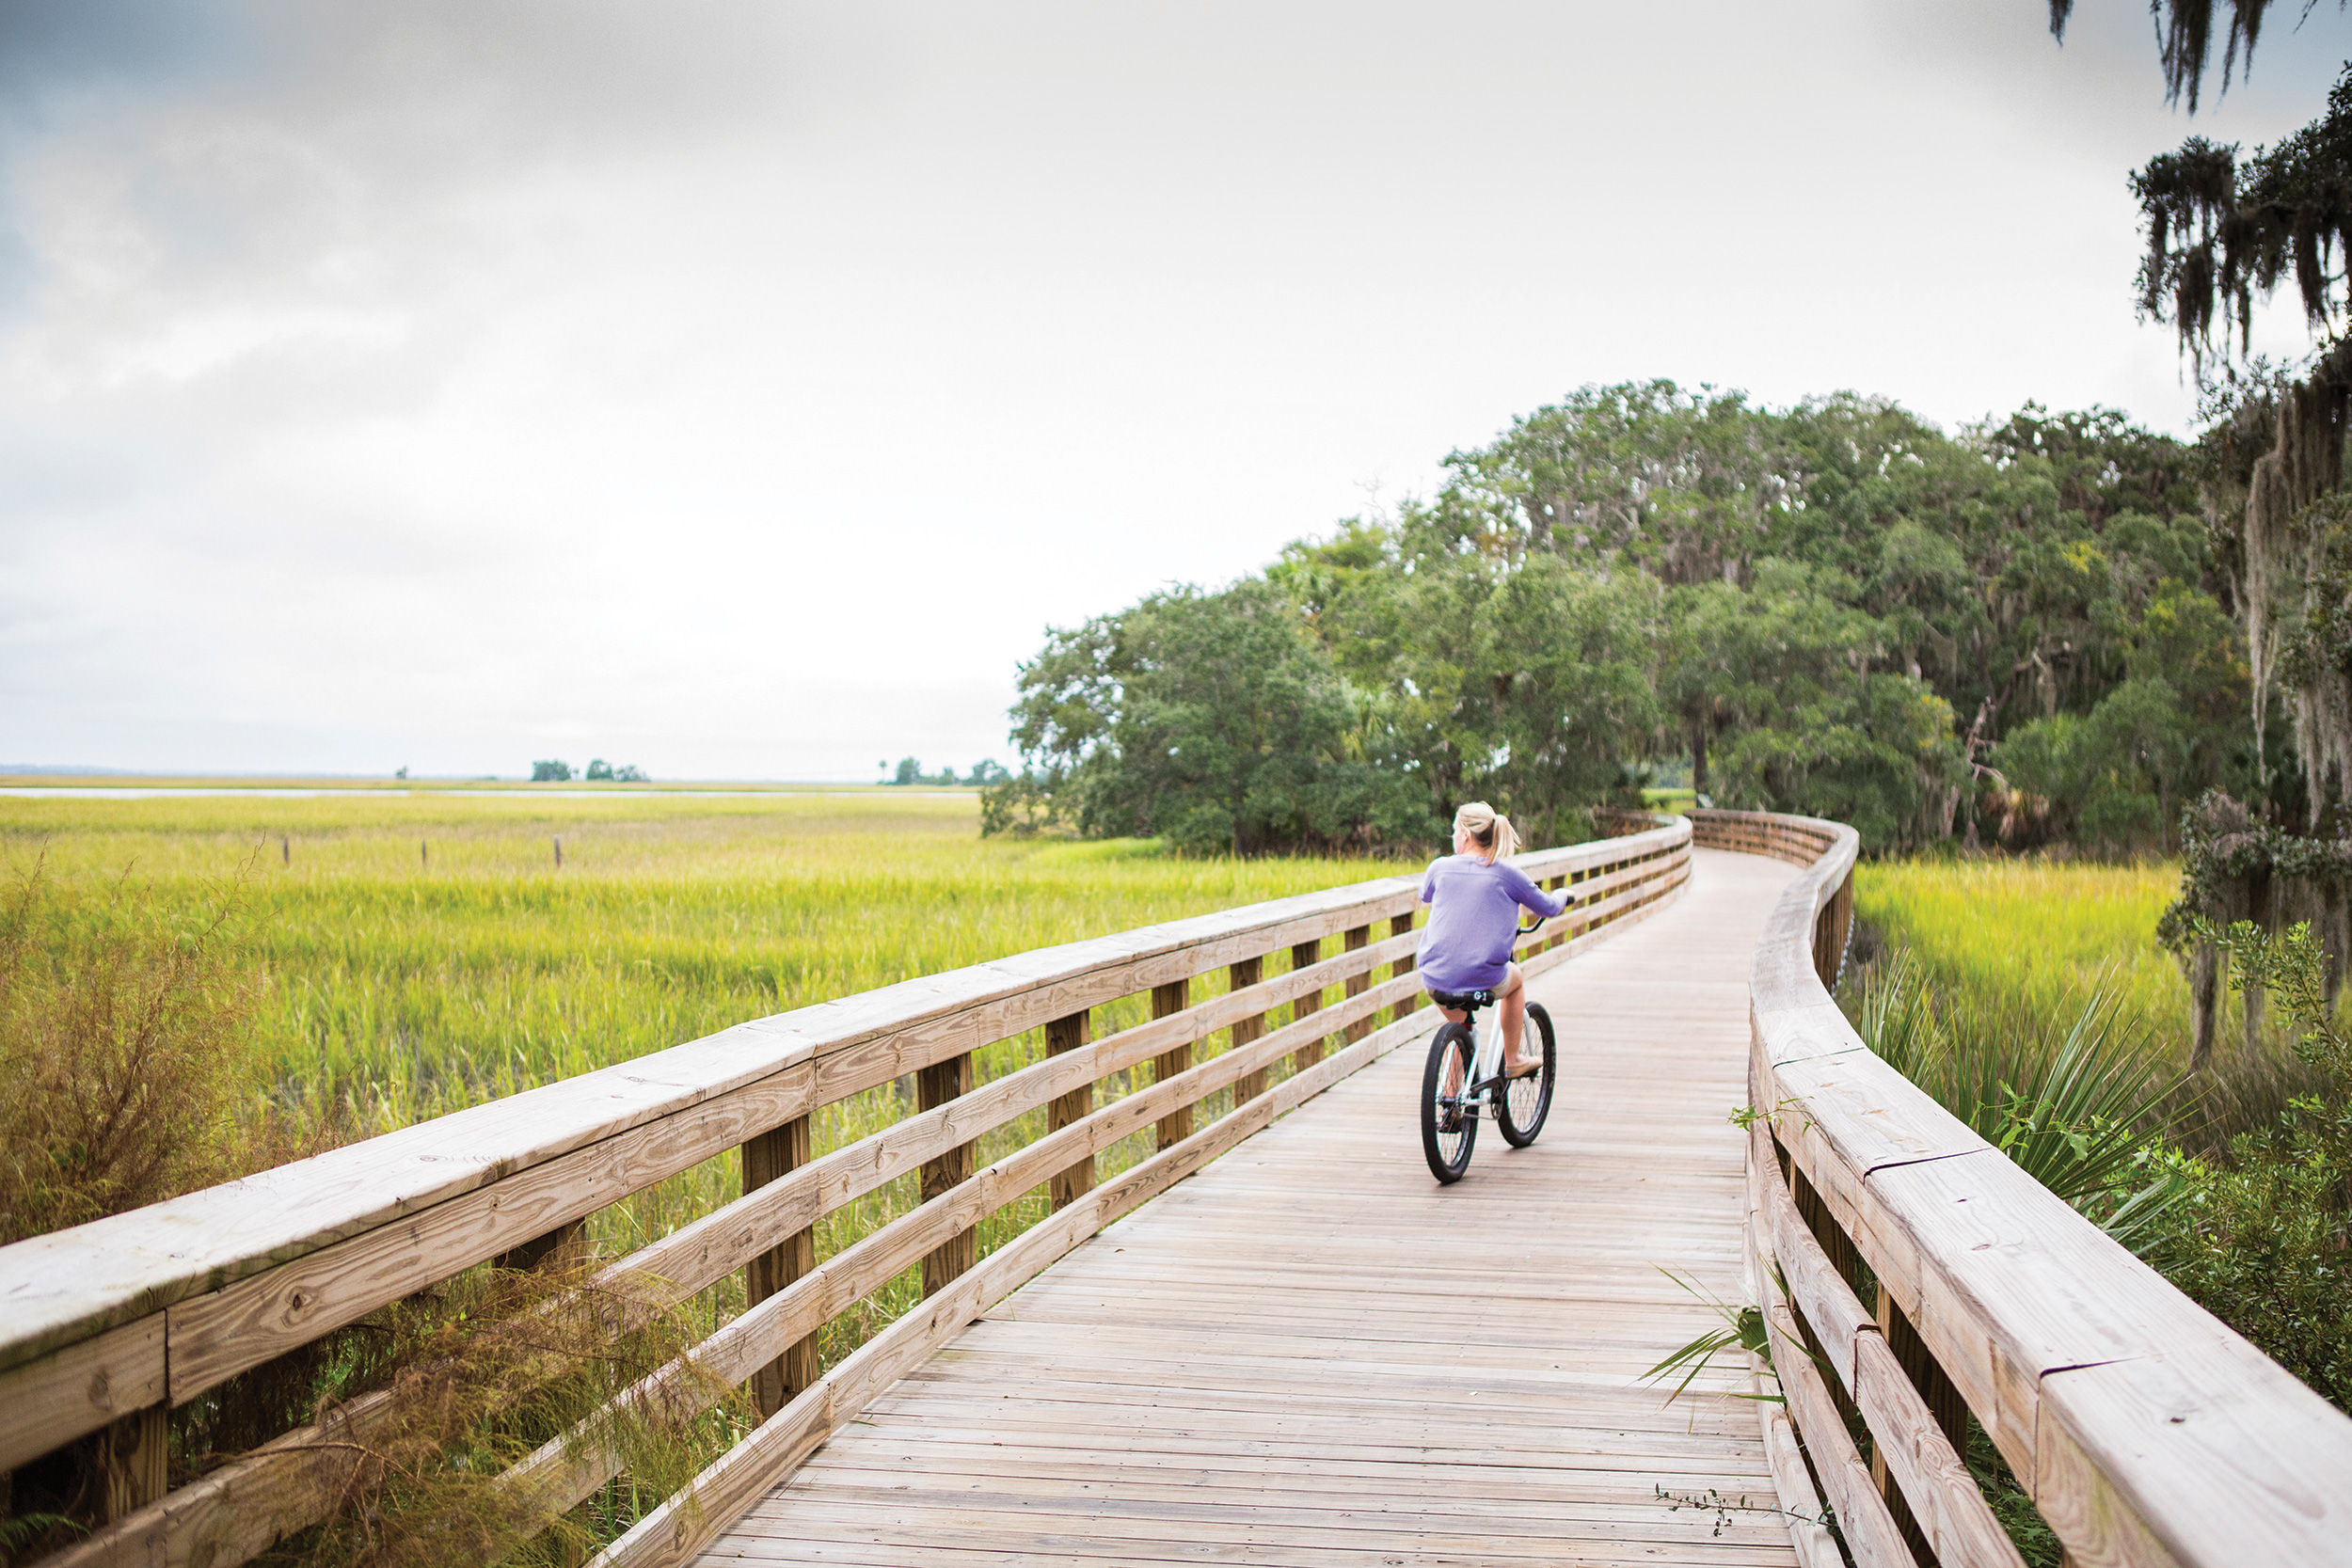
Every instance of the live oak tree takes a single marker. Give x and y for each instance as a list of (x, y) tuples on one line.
[(2185, 29), (1213, 720)]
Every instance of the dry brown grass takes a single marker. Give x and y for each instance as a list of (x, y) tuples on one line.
[(124, 1057)]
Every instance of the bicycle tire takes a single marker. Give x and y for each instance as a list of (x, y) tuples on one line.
[(1447, 1136), (1526, 1101)]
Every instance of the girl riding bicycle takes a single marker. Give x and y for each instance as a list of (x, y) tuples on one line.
[(1474, 896)]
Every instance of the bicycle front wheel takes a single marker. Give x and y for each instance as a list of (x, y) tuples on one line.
[(1526, 1101), (1448, 1128)]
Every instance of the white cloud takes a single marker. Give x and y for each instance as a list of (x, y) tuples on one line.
[(739, 389)]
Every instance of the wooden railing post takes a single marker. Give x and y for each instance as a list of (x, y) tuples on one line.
[(935, 1086), (1559, 934), (1065, 1035), (1402, 926), (1249, 1086), (1943, 1402), (134, 1452), (561, 1246), (768, 1157), (1306, 955), (1358, 936), (1166, 1001)]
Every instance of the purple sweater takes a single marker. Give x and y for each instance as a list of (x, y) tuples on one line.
[(1473, 917)]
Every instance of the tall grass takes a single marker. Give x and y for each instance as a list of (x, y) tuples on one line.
[(2042, 936), (2073, 1098), (2033, 1001), (409, 956)]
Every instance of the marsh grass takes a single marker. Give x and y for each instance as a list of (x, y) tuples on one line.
[(123, 1058), (403, 958), (2042, 936), (2073, 1097)]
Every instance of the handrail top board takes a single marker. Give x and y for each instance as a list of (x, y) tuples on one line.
[(64, 1287), (2128, 1385)]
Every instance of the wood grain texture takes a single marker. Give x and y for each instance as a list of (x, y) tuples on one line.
[(1310, 1353), (935, 1086), (1305, 955), (770, 1157), (1063, 1036), (1167, 1001), (2154, 1435), (86, 1386), (1246, 1031)]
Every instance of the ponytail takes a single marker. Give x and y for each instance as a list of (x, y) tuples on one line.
[(1489, 829)]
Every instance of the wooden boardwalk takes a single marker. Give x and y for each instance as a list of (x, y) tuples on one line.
[(1312, 1354)]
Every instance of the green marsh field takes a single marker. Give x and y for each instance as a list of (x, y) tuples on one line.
[(411, 954)]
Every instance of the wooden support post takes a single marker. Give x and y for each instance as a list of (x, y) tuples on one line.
[(1359, 936), (1172, 998), (1064, 1035), (1306, 956), (767, 1157), (1249, 1086), (565, 1245), (935, 1086), (134, 1452), (1826, 1230), (1943, 1402), (1558, 935), (1402, 926)]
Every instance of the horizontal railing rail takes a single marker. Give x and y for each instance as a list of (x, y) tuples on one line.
[(1910, 1272), (106, 1328)]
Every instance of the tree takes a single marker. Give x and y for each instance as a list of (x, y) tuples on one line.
[(986, 773), (910, 772), (550, 773), (1212, 719), (1680, 482), (2186, 35), (2221, 233), (599, 771)]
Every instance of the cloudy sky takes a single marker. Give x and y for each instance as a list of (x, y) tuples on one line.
[(740, 389)]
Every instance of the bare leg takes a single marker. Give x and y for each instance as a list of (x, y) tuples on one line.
[(1512, 996)]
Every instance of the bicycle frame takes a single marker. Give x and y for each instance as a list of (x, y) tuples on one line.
[(1485, 1069)]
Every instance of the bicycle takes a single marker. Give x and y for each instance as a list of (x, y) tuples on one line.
[(1465, 1072)]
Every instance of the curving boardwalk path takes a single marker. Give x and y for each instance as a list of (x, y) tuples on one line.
[(1311, 1355)]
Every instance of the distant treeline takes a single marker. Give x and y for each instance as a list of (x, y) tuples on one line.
[(2017, 634)]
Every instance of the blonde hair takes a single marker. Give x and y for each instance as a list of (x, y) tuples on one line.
[(1489, 829)]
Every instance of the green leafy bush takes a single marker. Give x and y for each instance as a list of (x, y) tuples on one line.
[(2262, 1235)]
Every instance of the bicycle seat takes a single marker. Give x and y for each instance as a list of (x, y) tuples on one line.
[(1463, 1001)]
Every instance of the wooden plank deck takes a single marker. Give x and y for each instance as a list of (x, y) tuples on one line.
[(1312, 1354)]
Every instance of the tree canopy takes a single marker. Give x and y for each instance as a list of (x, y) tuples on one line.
[(1833, 607)]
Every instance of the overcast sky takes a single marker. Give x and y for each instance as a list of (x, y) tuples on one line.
[(740, 389)]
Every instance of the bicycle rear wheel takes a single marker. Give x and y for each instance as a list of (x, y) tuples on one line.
[(1447, 1128), (1526, 1101)]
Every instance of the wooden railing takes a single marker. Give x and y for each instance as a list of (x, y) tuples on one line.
[(1928, 1281), (106, 1328)]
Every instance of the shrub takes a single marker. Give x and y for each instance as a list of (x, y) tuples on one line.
[(122, 1053)]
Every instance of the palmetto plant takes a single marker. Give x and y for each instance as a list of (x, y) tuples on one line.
[(2075, 1105)]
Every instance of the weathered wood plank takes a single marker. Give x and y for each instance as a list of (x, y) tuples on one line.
[(1233, 1345), (86, 1388), (770, 1157), (936, 1086), (2020, 1300), (1303, 956), (1167, 1001), (1240, 977), (1062, 1036)]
